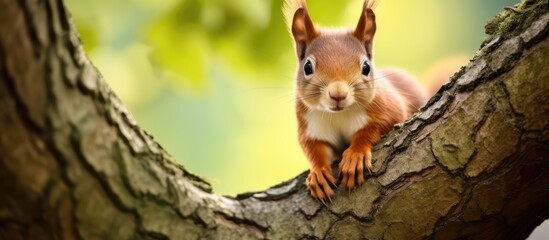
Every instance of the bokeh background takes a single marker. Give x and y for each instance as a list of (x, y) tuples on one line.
[(212, 80)]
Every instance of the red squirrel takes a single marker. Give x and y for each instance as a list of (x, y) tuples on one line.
[(344, 104)]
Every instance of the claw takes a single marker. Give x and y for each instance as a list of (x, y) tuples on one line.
[(320, 182), (323, 203), (352, 167)]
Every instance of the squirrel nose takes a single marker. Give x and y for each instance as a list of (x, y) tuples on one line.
[(338, 97)]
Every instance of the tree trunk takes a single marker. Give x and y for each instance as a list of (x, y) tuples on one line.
[(74, 164)]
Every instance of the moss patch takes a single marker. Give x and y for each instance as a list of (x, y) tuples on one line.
[(515, 19)]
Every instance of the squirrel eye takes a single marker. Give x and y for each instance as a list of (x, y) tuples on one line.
[(365, 68), (308, 67)]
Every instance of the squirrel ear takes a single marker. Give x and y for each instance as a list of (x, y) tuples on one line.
[(303, 31), (366, 28)]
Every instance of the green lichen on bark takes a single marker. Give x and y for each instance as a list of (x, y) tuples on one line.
[(514, 20)]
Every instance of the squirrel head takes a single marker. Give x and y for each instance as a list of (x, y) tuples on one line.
[(336, 70)]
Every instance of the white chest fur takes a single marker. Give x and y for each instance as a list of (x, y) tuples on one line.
[(336, 128)]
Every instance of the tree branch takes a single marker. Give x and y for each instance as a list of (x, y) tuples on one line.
[(473, 163)]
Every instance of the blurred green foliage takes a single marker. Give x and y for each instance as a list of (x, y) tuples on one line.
[(212, 80)]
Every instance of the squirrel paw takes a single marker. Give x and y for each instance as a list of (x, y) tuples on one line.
[(353, 163), (320, 182)]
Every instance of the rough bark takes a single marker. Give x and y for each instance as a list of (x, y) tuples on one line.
[(74, 164)]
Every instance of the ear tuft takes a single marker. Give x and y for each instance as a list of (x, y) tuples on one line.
[(289, 8), (299, 24), (366, 27)]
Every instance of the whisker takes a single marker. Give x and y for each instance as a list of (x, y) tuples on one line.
[(308, 96), (392, 89), (360, 104), (320, 84), (395, 71), (371, 103)]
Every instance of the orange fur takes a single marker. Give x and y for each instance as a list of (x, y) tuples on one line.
[(365, 106)]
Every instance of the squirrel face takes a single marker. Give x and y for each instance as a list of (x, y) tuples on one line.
[(335, 72), (335, 65)]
